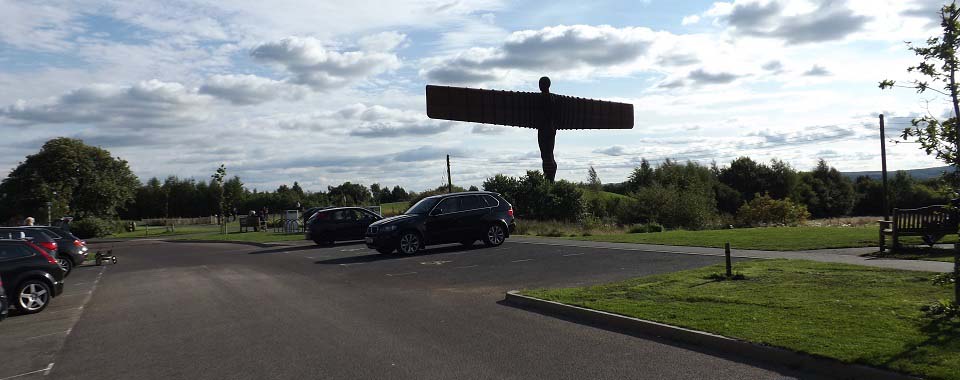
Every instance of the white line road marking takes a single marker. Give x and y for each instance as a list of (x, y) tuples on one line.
[(352, 249), (468, 266), (317, 257), (66, 332), (520, 261), (76, 294), (400, 274), (343, 265), (45, 371), (574, 254), (49, 368)]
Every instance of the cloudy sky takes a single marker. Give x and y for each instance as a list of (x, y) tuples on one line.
[(324, 91)]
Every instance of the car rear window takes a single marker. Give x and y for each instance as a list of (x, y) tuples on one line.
[(52, 234), (491, 201)]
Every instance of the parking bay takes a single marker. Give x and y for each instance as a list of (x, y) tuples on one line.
[(182, 310)]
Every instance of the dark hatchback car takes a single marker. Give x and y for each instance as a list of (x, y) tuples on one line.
[(71, 251), (35, 236), (31, 276), (337, 224), (449, 218)]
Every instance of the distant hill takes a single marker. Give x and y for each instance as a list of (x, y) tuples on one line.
[(920, 174)]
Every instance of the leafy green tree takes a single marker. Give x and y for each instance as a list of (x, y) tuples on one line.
[(939, 65), (641, 176), (233, 193), (825, 192), (87, 181), (349, 194), (217, 189), (593, 180)]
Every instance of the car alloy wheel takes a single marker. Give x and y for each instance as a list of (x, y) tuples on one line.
[(409, 243), (66, 265), (495, 235), (33, 297)]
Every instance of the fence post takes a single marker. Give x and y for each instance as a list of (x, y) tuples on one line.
[(726, 252)]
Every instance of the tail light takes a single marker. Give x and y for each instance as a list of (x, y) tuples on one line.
[(52, 246), (77, 243), (510, 212), (44, 253)]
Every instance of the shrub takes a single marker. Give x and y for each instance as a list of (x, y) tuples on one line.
[(645, 228), (87, 228), (766, 211)]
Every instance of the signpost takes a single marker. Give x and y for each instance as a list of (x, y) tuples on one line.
[(542, 111)]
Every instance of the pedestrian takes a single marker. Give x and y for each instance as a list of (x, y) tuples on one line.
[(29, 221)]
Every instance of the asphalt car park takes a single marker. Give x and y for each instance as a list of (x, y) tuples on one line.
[(216, 311), (29, 343)]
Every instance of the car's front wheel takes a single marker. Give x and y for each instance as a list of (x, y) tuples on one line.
[(66, 265), (495, 235), (33, 296), (409, 243)]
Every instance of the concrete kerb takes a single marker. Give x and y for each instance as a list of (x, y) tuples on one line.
[(828, 367)]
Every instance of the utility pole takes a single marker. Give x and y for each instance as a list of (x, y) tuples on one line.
[(449, 180), (883, 163)]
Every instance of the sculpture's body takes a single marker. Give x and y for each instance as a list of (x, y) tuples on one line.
[(543, 111)]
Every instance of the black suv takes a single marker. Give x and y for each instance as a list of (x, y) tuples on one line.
[(449, 218), (339, 223), (31, 276)]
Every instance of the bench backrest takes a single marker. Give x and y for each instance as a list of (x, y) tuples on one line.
[(249, 221), (936, 218)]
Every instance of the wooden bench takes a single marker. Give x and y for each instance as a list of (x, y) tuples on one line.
[(247, 222), (931, 222)]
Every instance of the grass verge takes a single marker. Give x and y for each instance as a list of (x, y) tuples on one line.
[(161, 231), (767, 238), (252, 237), (852, 313)]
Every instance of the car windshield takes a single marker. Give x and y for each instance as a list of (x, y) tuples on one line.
[(422, 207)]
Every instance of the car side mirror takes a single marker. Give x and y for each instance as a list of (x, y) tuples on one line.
[(436, 211)]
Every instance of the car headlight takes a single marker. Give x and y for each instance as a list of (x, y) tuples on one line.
[(388, 228)]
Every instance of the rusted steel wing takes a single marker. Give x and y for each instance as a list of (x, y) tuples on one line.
[(525, 109)]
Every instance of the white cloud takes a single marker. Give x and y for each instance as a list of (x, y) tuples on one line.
[(558, 48), (249, 89), (148, 104), (690, 20), (311, 63)]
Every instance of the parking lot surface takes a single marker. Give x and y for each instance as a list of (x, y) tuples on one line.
[(226, 311)]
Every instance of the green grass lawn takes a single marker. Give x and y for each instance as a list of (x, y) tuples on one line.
[(852, 313), (395, 208), (769, 238), (160, 231), (604, 195), (253, 237)]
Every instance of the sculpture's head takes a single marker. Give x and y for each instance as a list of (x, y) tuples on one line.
[(545, 85)]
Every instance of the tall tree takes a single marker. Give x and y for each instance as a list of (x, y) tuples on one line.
[(77, 178), (593, 180), (939, 64)]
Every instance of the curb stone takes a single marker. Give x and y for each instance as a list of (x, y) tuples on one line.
[(638, 327)]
